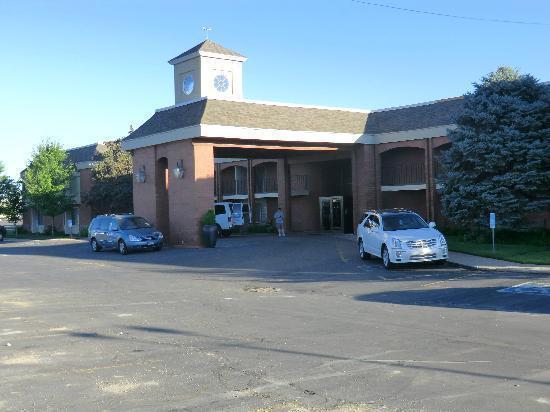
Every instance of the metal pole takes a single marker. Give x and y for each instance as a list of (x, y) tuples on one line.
[(493, 230)]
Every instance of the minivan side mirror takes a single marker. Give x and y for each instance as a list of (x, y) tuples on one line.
[(431, 225)]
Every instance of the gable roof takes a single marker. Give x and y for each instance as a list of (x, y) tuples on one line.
[(207, 46), (438, 113), (87, 153)]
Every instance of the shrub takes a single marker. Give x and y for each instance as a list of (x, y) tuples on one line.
[(209, 218), (261, 228), (83, 231)]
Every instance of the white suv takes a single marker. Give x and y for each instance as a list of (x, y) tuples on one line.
[(224, 218), (400, 236)]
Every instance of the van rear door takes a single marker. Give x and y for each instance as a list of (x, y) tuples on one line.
[(237, 213)]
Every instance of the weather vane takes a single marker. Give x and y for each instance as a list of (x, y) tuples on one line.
[(206, 30)]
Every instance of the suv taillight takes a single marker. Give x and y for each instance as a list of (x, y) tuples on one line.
[(229, 219)]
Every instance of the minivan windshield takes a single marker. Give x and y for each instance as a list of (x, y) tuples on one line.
[(402, 221), (133, 223)]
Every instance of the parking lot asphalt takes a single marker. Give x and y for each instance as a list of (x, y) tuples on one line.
[(262, 323)]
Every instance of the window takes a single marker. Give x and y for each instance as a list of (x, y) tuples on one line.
[(133, 223), (39, 219), (220, 209), (94, 225), (104, 223), (113, 225), (403, 221), (373, 221)]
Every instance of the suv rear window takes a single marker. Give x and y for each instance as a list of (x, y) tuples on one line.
[(220, 209)]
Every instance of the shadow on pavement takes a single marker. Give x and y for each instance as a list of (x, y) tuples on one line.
[(480, 298)]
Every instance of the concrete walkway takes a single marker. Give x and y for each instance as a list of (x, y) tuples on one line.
[(483, 263)]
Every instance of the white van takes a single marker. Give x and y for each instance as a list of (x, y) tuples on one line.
[(224, 218), (240, 213)]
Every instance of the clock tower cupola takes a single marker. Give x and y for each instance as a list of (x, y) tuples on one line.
[(208, 70)]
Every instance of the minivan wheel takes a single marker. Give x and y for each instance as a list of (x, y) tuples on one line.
[(122, 248), (362, 254), (95, 246), (386, 257)]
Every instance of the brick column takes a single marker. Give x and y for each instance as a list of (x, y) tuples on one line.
[(283, 188), (192, 196), (144, 194), (427, 178), (250, 175), (365, 190)]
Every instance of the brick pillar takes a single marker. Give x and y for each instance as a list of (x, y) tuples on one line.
[(283, 188), (218, 182), (145, 197), (250, 175), (192, 196), (427, 177), (378, 177), (365, 190)]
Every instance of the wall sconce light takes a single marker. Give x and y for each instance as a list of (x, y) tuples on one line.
[(140, 175), (179, 171)]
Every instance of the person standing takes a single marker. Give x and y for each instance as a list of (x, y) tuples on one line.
[(279, 217)]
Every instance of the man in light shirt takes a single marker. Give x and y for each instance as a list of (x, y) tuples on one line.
[(279, 217)]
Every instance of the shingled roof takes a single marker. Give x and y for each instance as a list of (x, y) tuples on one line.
[(438, 113), (87, 153), (207, 46), (253, 115), (296, 118)]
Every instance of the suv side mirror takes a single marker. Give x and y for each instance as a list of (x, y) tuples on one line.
[(431, 225)]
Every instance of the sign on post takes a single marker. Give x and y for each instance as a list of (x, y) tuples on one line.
[(492, 225)]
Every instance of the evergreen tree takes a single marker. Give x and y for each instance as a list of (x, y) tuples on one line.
[(499, 160), (47, 180), (112, 190)]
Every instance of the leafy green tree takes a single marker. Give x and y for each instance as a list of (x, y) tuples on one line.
[(11, 200), (112, 190), (499, 160), (47, 180)]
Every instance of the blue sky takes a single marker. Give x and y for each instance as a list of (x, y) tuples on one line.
[(83, 71)]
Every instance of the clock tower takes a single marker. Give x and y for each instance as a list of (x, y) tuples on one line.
[(208, 70)]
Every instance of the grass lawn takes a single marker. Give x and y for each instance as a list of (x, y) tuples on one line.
[(520, 253)]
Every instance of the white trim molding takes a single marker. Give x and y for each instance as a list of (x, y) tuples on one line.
[(398, 188), (235, 197), (405, 135), (248, 133), (265, 195), (183, 133)]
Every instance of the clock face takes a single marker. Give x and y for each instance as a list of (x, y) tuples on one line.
[(188, 84), (221, 83)]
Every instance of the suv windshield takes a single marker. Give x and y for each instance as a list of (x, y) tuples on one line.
[(403, 221), (133, 223)]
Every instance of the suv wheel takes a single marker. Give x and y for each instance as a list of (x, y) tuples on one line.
[(386, 257), (362, 254), (122, 248), (95, 246)]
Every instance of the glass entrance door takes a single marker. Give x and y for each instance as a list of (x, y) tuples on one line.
[(332, 212)]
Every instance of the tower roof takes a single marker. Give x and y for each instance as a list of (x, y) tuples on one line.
[(207, 46)]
